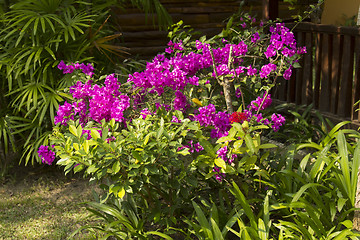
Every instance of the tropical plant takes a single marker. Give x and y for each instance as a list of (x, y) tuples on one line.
[(35, 36), (122, 220)]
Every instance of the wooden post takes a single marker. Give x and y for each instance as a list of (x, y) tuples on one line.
[(358, 18), (356, 220), (270, 9)]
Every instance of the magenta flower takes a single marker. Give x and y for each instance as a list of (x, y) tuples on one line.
[(260, 101), (277, 121), (267, 69), (46, 155), (287, 73)]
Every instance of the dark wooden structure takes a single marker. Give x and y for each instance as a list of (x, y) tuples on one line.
[(142, 36), (330, 73)]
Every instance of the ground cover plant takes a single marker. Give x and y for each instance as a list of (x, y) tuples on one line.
[(179, 149)]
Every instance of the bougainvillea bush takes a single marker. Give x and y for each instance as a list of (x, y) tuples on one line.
[(177, 132)]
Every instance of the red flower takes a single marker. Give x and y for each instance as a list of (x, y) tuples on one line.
[(238, 117)]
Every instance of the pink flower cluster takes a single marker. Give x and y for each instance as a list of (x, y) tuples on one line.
[(46, 155), (193, 147), (179, 71), (260, 103), (86, 69), (174, 46), (220, 122), (95, 102)]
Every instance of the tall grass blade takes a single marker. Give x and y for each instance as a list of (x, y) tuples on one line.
[(203, 221), (344, 164)]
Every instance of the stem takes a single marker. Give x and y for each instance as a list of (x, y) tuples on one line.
[(227, 88), (214, 67), (267, 92), (241, 92)]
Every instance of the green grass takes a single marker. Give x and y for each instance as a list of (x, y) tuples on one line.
[(43, 205)]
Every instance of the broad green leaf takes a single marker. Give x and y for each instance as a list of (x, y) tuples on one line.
[(161, 129), (238, 144), (76, 146), (216, 230), (94, 134), (92, 169), (220, 163), (86, 146), (262, 230), (249, 143), (79, 131), (73, 130), (121, 192), (116, 167)]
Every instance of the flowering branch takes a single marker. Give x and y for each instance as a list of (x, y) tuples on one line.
[(227, 88)]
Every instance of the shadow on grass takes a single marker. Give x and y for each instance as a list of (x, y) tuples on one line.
[(41, 203)]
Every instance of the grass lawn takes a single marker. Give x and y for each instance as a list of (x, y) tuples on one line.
[(41, 203)]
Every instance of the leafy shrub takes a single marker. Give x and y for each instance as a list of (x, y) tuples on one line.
[(152, 148)]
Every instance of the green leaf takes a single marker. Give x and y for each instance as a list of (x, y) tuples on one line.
[(116, 167), (76, 146), (220, 163), (344, 163), (267, 146), (208, 147), (72, 129), (94, 134), (249, 143), (121, 192), (203, 221), (238, 144), (262, 230), (50, 52), (161, 129), (331, 134), (216, 230), (303, 189), (354, 170), (79, 131), (241, 198), (105, 132), (92, 169), (163, 235), (112, 211), (86, 146)]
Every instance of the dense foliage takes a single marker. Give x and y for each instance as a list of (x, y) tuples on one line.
[(35, 36), (177, 161)]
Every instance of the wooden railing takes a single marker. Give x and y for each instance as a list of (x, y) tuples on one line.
[(330, 73)]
